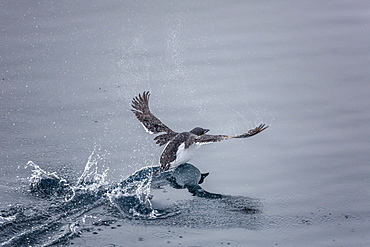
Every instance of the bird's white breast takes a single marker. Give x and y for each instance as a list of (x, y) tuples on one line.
[(183, 154)]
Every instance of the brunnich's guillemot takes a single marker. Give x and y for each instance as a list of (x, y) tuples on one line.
[(180, 147)]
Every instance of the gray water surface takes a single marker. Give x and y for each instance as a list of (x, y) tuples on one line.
[(69, 70)]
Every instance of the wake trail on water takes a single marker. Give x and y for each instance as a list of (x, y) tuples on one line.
[(64, 209), (30, 225)]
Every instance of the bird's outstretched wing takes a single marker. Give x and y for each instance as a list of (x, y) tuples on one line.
[(204, 139), (153, 125)]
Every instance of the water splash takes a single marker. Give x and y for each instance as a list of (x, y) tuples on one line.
[(72, 208), (91, 175), (131, 197), (47, 184), (70, 203)]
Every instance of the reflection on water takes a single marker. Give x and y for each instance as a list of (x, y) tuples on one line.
[(73, 209), (72, 203)]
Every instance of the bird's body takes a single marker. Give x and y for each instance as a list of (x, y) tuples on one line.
[(180, 147), (176, 151), (183, 154)]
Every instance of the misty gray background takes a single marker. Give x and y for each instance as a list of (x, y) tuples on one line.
[(68, 72)]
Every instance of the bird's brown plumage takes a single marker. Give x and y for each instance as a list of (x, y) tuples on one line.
[(153, 125)]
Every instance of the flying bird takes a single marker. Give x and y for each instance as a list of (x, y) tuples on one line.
[(179, 147)]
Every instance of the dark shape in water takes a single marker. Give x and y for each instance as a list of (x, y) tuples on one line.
[(63, 218), (132, 195), (184, 176)]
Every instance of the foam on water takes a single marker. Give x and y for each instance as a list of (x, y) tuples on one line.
[(70, 204), (65, 209), (47, 184), (133, 198)]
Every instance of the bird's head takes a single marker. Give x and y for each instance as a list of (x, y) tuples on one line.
[(199, 131)]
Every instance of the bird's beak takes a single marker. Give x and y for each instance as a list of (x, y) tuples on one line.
[(206, 130)]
